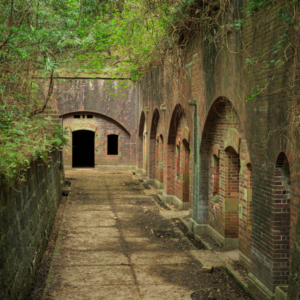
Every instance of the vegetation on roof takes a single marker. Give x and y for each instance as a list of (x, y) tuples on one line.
[(119, 38)]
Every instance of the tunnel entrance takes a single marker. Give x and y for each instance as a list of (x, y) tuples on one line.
[(83, 149)]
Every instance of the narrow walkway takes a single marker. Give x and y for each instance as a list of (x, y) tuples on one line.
[(106, 248)]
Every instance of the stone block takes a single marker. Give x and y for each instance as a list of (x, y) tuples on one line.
[(207, 267), (231, 204)]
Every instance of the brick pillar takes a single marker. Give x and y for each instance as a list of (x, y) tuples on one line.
[(152, 158), (203, 202), (186, 172), (178, 171), (245, 211), (140, 152), (145, 158), (170, 170)]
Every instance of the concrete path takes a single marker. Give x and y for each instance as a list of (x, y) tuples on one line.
[(106, 248)]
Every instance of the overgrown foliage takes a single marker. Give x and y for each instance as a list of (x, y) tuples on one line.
[(34, 36), (39, 38)]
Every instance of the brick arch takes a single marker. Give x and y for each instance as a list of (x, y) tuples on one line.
[(266, 200), (140, 149), (232, 138), (281, 219), (159, 172), (186, 172), (142, 124), (284, 147), (110, 131), (177, 115), (76, 127), (223, 150), (154, 124), (175, 156), (97, 115), (154, 145), (221, 116)]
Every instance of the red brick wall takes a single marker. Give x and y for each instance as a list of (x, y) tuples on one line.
[(209, 76), (281, 220), (178, 155), (106, 99), (102, 126)]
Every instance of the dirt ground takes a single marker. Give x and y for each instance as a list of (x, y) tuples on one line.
[(112, 243)]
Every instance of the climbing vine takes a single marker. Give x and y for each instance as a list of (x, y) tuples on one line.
[(36, 37), (40, 39)]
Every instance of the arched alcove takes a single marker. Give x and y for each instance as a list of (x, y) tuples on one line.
[(281, 220), (141, 142), (220, 184), (153, 151), (177, 152)]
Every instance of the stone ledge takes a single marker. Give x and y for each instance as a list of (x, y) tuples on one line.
[(200, 229), (245, 261), (280, 294), (150, 181), (259, 289), (176, 202), (158, 184)]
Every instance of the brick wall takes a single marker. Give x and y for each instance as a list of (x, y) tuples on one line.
[(245, 210), (113, 104), (258, 131), (102, 126)]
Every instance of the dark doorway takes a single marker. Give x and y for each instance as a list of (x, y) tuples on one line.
[(83, 148), (112, 144)]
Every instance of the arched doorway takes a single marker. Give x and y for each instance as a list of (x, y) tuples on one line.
[(83, 149), (141, 142), (154, 147), (281, 220), (222, 156), (177, 152)]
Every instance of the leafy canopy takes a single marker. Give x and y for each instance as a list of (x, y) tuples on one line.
[(120, 38)]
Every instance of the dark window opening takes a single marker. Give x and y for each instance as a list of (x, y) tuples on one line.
[(112, 144), (76, 116), (89, 116), (83, 145), (83, 116)]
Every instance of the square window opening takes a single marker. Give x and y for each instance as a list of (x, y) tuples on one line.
[(112, 144)]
